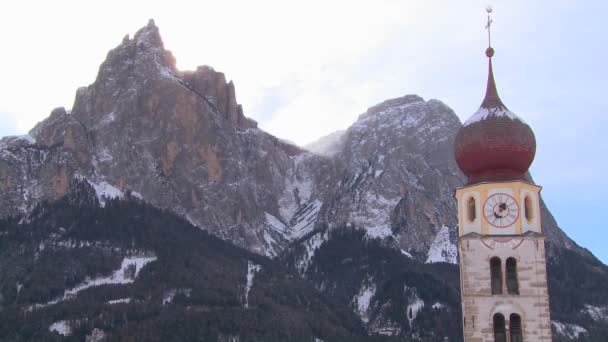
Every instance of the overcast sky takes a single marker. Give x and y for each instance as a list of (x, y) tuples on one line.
[(304, 69)]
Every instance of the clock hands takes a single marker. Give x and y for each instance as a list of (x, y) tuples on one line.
[(500, 212)]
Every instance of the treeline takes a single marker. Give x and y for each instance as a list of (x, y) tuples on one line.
[(349, 259), (43, 256)]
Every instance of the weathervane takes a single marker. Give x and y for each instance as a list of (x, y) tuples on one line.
[(489, 51)]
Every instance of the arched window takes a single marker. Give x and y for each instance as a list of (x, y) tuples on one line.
[(496, 275), (515, 328), (472, 211), (500, 334), (528, 211), (512, 284)]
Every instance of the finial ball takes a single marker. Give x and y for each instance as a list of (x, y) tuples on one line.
[(489, 52)]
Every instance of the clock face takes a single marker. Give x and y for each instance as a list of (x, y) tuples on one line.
[(501, 210)]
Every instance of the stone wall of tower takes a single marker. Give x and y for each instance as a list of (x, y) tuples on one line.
[(478, 303)]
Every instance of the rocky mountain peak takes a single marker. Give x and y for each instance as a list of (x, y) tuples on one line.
[(149, 36), (396, 102)]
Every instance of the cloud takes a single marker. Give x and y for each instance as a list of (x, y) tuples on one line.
[(7, 124)]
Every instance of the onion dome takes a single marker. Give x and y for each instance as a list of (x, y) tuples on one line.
[(494, 144)]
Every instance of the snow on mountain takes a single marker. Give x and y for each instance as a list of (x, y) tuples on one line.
[(569, 330), (252, 269), (414, 306), (127, 273), (406, 253), (120, 301), (274, 223), (363, 300), (105, 190), (61, 327), (376, 219), (596, 313), (443, 249), (299, 185), (303, 221)]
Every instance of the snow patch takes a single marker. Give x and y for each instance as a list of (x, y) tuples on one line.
[(119, 301), (363, 300), (484, 113), (61, 327), (406, 253), (137, 195), (304, 220), (438, 306), (269, 251), (415, 304), (252, 269), (413, 309), (569, 330), (107, 118), (274, 223), (596, 313), (103, 189), (375, 215), (442, 249), (126, 274)]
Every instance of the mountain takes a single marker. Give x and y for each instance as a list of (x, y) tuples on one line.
[(366, 216), (397, 184)]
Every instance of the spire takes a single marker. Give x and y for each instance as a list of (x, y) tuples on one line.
[(491, 99)]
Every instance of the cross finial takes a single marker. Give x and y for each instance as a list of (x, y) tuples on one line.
[(489, 51)]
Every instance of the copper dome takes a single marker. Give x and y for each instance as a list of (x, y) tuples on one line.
[(494, 144)]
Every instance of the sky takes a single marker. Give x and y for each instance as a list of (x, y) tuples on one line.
[(303, 69)]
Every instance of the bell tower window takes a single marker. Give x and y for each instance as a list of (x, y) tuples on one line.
[(515, 331), (512, 284), (528, 211), (500, 333), (471, 209), (496, 275)]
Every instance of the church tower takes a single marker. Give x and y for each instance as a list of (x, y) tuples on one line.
[(503, 274)]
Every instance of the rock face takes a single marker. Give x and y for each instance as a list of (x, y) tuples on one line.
[(399, 177), (177, 139)]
